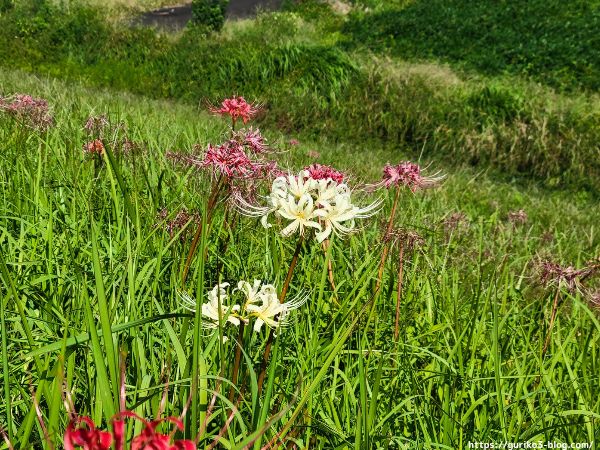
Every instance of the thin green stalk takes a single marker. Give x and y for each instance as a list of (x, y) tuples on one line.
[(7, 398), (197, 341), (282, 295)]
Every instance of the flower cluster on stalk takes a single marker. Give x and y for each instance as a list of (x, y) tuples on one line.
[(82, 433), (258, 302), (406, 174), (33, 112), (101, 131), (316, 199), (236, 108)]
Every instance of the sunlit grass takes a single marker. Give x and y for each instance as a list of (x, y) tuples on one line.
[(84, 257)]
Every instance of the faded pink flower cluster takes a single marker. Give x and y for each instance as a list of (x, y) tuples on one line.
[(406, 174), (519, 217), (33, 112), (182, 218), (323, 172), (236, 108), (554, 273)]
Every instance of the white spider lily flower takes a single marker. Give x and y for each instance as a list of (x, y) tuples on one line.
[(305, 203), (340, 216), (251, 291), (301, 185), (210, 310), (273, 313), (301, 213)]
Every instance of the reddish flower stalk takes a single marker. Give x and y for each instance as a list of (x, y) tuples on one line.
[(386, 246), (552, 273), (407, 240), (282, 295)]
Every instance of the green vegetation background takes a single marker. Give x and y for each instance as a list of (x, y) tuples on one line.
[(519, 94)]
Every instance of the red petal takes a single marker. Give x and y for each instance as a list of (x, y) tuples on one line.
[(183, 445)]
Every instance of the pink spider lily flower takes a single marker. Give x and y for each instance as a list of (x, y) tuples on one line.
[(236, 107), (228, 159), (406, 174), (323, 172), (87, 436)]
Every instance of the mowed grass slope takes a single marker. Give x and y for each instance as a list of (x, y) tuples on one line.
[(83, 247)]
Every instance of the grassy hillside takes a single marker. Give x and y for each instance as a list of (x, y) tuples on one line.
[(295, 64), (85, 245), (553, 42)]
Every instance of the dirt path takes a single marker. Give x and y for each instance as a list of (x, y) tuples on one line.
[(176, 17)]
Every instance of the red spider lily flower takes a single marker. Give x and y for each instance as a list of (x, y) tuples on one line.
[(95, 147), (406, 174), (88, 437), (236, 107), (323, 172), (149, 439)]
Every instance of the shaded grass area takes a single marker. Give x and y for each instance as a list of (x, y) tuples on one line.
[(467, 366), (292, 63), (553, 42)]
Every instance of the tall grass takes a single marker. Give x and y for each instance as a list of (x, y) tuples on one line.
[(88, 271)]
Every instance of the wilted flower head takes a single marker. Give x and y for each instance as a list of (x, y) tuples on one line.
[(552, 273), (323, 205), (454, 221), (182, 218), (95, 147), (236, 107), (407, 238), (229, 160), (96, 124), (33, 112), (594, 299), (517, 217), (406, 174), (257, 301)]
